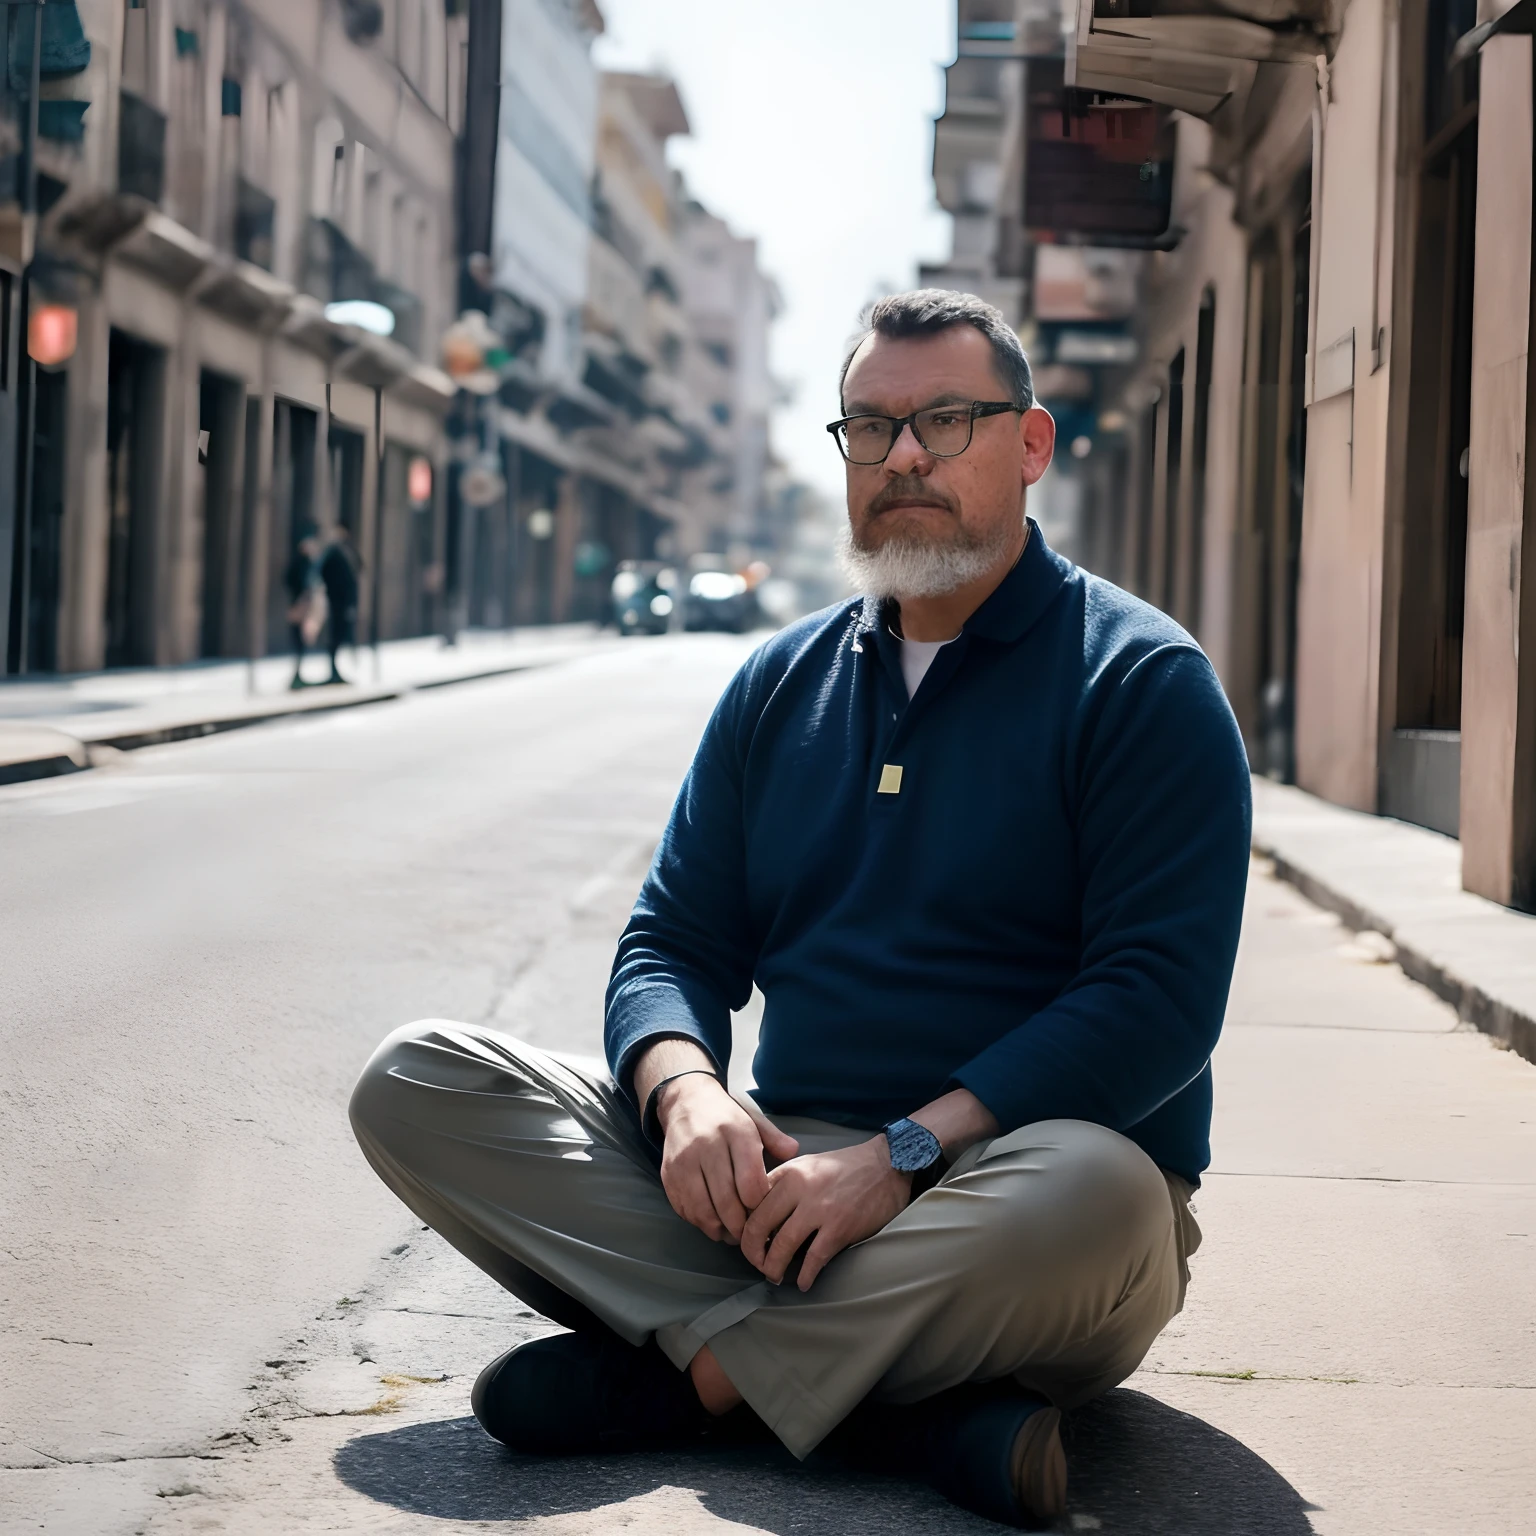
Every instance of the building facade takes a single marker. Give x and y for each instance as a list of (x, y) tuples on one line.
[(1311, 450), (631, 392), (224, 171), (730, 304)]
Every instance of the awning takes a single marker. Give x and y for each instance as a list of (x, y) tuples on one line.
[(521, 388), (1519, 21), (1205, 63), (615, 374)]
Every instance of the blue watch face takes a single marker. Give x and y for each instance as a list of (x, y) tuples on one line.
[(913, 1146)]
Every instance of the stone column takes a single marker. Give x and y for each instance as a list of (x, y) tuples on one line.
[(259, 409), (1498, 700), (567, 531), (179, 527), (83, 579)]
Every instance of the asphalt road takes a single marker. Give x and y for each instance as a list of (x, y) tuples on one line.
[(213, 1319), (202, 945)]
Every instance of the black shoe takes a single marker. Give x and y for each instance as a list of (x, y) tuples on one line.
[(575, 1392), (995, 1451)]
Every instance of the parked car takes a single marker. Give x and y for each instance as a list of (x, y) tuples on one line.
[(642, 597), (721, 600)]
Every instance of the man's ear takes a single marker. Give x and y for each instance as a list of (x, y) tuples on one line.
[(1037, 432)]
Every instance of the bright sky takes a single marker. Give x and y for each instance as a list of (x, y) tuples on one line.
[(812, 130)]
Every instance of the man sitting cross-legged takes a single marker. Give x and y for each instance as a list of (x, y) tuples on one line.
[(980, 836)]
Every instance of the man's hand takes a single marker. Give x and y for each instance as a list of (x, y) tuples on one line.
[(712, 1165), (839, 1197)]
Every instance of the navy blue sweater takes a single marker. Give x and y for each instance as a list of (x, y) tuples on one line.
[(1045, 913)]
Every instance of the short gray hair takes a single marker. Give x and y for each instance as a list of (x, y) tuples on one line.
[(927, 311)]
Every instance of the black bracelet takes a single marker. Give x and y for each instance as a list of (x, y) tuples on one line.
[(649, 1125), (927, 1178)]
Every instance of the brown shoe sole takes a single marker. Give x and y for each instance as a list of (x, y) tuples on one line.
[(1040, 1467)]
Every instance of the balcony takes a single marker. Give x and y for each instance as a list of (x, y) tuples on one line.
[(336, 269), (607, 225), (616, 374), (406, 308), (140, 148)]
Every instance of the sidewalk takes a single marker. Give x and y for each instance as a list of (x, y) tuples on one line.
[(1404, 883), (57, 725), (1354, 1358)]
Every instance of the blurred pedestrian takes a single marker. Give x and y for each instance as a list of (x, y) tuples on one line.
[(981, 837), (338, 572), (306, 598)]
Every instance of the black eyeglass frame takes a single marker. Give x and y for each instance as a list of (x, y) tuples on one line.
[(977, 408)]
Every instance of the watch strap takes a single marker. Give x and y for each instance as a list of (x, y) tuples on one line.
[(925, 1178)]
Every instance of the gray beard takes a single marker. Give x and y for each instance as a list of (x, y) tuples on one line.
[(906, 567)]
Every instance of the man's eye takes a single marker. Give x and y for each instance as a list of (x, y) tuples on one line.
[(871, 426), (946, 418)]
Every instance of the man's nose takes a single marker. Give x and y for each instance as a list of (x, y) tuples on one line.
[(907, 455)]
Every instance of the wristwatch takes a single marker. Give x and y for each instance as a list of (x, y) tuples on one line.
[(916, 1150)]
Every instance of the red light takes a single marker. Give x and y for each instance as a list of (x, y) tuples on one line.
[(51, 334), (418, 480)]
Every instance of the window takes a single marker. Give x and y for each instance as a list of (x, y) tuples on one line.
[(135, 71), (373, 231), (327, 199), (1173, 467), (396, 260), (1199, 442), (425, 257)]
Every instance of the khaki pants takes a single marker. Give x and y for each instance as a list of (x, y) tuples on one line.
[(1054, 1254)]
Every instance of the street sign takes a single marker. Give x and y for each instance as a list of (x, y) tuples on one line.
[(481, 483)]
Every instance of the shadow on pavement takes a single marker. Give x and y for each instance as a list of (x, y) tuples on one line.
[(1137, 1466)]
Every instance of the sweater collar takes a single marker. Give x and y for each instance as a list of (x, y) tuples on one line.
[(1015, 604)]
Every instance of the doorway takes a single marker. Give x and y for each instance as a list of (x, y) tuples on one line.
[(1421, 760), (405, 577), (1275, 456), (220, 459), (295, 433), (1173, 476), (135, 417), (346, 445), (1192, 597), (45, 525)]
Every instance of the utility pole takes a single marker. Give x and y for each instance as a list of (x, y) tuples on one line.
[(476, 238), (377, 554), (478, 142)]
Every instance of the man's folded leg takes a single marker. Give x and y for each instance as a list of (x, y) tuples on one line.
[(1054, 1256), (534, 1168)]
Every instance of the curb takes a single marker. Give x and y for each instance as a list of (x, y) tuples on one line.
[(84, 756), (27, 768), (1474, 1004)]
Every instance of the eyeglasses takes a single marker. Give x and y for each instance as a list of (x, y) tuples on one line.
[(942, 430)]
